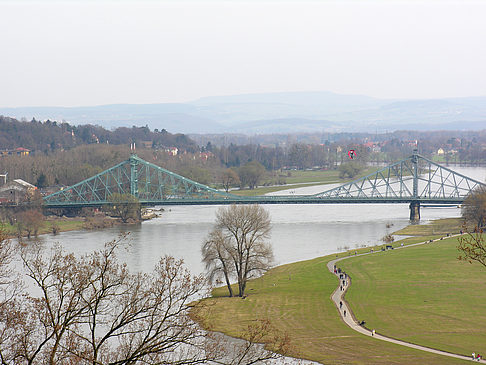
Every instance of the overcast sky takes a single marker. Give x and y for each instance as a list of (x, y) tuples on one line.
[(101, 52)]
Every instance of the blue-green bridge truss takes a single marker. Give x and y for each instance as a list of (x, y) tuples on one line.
[(413, 180)]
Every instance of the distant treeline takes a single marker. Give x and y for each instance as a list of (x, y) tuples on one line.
[(65, 154), (49, 136), (66, 167)]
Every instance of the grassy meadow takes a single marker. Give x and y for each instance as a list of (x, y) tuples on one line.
[(65, 224), (438, 227), (296, 299), (302, 178), (423, 295)]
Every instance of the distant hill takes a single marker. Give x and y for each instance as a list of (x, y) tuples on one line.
[(283, 112), (174, 117)]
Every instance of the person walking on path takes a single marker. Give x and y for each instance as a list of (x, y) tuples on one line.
[(337, 299), (340, 304)]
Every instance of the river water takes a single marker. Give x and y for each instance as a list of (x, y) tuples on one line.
[(299, 232)]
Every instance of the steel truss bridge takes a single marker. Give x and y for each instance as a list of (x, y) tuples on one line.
[(415, 180)]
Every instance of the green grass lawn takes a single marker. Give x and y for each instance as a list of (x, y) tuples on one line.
[(422, 295), (437, 227), (70, 224), (296, 299), (302, 178)]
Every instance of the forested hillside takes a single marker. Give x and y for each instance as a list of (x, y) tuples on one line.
[(50, 136), (66, 167)]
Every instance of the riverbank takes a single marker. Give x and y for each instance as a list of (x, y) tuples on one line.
[(54, 224), (295, 298), (50, 226), (302, 179)]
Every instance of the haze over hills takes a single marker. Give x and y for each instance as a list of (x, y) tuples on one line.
[(283, 112)]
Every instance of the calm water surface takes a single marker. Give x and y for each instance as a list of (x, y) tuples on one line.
[(299, 232)]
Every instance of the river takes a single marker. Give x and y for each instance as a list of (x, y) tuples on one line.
[(299, 232)]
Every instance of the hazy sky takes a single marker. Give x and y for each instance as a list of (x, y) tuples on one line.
[(69, 53)]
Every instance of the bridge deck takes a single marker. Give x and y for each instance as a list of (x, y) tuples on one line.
[(303, 199)]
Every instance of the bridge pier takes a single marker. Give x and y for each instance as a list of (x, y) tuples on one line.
[(414, 211)]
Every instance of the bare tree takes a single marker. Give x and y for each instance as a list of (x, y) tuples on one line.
[(229, 178), (216, 255), (92, 310), (30, 221), (472, 247), (474, 207), (242, 244), (388, 238), (10, 287), (124, 206), (251, 173)]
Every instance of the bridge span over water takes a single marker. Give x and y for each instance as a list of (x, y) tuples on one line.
[(414, 180)]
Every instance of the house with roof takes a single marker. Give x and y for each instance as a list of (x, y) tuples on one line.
[(16, 191), (19, 151)]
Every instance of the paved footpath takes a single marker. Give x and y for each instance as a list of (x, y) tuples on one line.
[(350, 320)]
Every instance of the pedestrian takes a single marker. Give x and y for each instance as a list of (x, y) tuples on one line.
[(341, 288), (345, 312), (479, 357), (473, 355), (373, 333), (340, 304)]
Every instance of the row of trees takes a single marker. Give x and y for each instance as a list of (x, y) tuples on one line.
[(71, 166), (93, 310), (296, 155), (50, 136), (28, 219)]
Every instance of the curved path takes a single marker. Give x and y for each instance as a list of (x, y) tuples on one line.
[(348, 317)]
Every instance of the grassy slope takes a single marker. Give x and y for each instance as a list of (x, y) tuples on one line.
[(296, 298), (422, 295)]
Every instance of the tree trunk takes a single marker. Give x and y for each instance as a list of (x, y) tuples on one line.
[(241, 286), (230, 289)]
